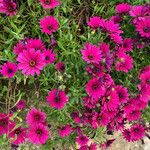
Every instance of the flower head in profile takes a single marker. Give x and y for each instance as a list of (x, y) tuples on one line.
[(123, 8), (57, 99), (9, 69), (127, 45), (95, 89), (65, 131), (21, 104), (91, 53), (18, 135), (38, 134), (94, 22), (49, 4), (35, 116), (49, 24), (31, 62), (50, 56)]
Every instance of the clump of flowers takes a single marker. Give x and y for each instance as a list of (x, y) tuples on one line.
[(105, 104)]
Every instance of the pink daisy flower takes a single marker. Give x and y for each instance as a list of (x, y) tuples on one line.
[(57, 99), (21, 104), (111, 100), (94, 22), (127, 45), (143, 27), (134, 115), (35, 117), (38, 134), (65, 131), (75, 117), (122, 92), (125, 62), (91, 53), (8, 7), (123, 8), (37, 44), (19, 47), (50, 56), (96, 70), (95, 89), (85, 147), (137, 132), (5, 124), (82, 140), (31, 62), (60, 66), (89, 102), (116, 19), (145, 78), (127, 135), (9, 69), (49, 4), (19, 135), (49, 24)]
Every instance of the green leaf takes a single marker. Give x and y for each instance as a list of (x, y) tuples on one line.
[(30, 2)]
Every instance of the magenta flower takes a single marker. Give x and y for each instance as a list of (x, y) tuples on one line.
[(127, 135), (133, 115), (127, 45), (36, 44), (49, 24), (122, 92), (95, 89), (65, 131), (31, 62), (123, 8), (91, 53), (107, 144), (82, 140), (38, 134), (49, 4), (143, 27), (111, 100), (137, 132), (116, 19), (9, 69), (19, 47), (5, 124), (60, 66), (49, 55), (35, 117), (21, 104), (94, 22), (8, 7), (19, 135), (125, 62), (57, 99)]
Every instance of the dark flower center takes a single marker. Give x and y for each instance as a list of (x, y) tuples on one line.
[(37, 117), (125, 45), (39, 131), (148, 81), (96, 70), (3, 123), (47, 58), (120, 95), (90, 57), (146, 29), (49, 27), (95, 86), (47, 1), (32, 63), (18, 131), (10, 70), (57, 99), (11, 8)]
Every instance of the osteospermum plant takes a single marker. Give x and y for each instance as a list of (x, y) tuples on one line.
[(66, 88)]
